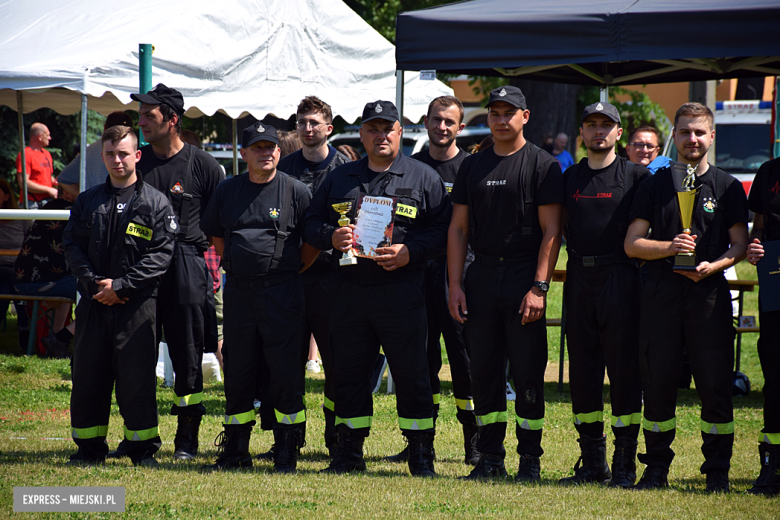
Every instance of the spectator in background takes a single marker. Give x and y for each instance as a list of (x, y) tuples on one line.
[(41, 270), (289, 143), (40, 168), (96, 172), (12, 233), (190, 137), (350, 152), (560, 153), (644, 147), (547, 142), (486, 143)]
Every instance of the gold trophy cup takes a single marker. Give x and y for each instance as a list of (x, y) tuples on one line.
[(342, 208), (687, 201)]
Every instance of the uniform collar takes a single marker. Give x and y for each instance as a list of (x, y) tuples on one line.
[(397, 168)]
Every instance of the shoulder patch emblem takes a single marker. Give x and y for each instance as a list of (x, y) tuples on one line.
[(177, 188), (273, 212), (171, 224)]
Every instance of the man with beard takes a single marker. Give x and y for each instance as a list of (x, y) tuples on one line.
[(602, 300), (692, 307)]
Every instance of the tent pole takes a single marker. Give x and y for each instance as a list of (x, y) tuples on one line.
[(235, 147), (604, 93), (20, 112), (776, 118), (83, 154), (399, 94), (144, 74)]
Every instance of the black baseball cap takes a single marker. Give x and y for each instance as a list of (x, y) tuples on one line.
[(509, 94), (258, 132), (162, 95), (380, 110), (601, 107)]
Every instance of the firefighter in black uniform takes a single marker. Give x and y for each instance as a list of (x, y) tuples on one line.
[(381, 301), (118, 243), (507, 206), (188, 177), (444, 123), (688, 307), (256, 221), (602, 300), (311, 164), (764, 201)]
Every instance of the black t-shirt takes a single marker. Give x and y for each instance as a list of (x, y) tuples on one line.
[(447, 170), (310, 165), (120, 197), (764, 197), (596, 205), (665, 222), (497, 198), (167, 175), (246, 215)]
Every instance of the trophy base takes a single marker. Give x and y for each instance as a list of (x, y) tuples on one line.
[(348, 260), (685, 263)]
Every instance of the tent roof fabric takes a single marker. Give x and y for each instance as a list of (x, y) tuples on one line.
[(599, 42), (238, 57)]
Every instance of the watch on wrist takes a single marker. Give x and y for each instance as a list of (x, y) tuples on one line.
[(542, 286)]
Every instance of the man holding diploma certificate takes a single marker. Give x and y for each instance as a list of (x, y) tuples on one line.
[(764, 201), (689, 307), (402, 211)]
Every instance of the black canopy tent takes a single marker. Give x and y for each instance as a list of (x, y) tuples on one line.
[(606, 42)]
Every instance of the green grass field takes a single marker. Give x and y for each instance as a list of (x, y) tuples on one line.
[(35, 444)]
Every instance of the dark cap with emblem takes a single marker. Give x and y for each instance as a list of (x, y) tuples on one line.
[(601, 107), (162, 95), (380, 110), (258, 132), (508, 94)]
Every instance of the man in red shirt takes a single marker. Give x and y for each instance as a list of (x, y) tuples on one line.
[(39, 168)]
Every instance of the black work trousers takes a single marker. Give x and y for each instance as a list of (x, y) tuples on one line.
[(769, 354), (320, 283), (262, 327), (115, 344), (391, 315), (180, 318), (602, 330), (494, 332), (677, 312), (441, 324)]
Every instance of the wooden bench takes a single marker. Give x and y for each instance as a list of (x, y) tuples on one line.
[(36, 311)]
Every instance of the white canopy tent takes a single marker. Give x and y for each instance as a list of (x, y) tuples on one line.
[(237, 57)]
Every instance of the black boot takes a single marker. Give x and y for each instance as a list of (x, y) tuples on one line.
[(286, 443), (91, 452), (654, 477), (403, 456), (718, 481), (186, 441), (488, 466), (120, 451), (349, 453), (233, 445), (421, 455), (144, 458), (624, 464), (529, 470), (594, 466), (268, 455), (768, 481), (470, 438)]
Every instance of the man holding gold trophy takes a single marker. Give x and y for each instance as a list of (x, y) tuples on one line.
[(388, 215), (698, 216)]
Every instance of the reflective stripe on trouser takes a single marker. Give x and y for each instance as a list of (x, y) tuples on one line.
[(529, 424), (623, 421), (415, 424), (602, 332), (115, 352), (90, 433), (589, 418), (769, 438), (717, 429), (436, 399), (240, 418), (491, 418), (465, 404), (141, 435), (328, 404), (262, 342), (659, 426), (676, 314), (494, 332), (442, 327), (290, 419), (188, 400), (181, 323), (391, 315), (354, 423)]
